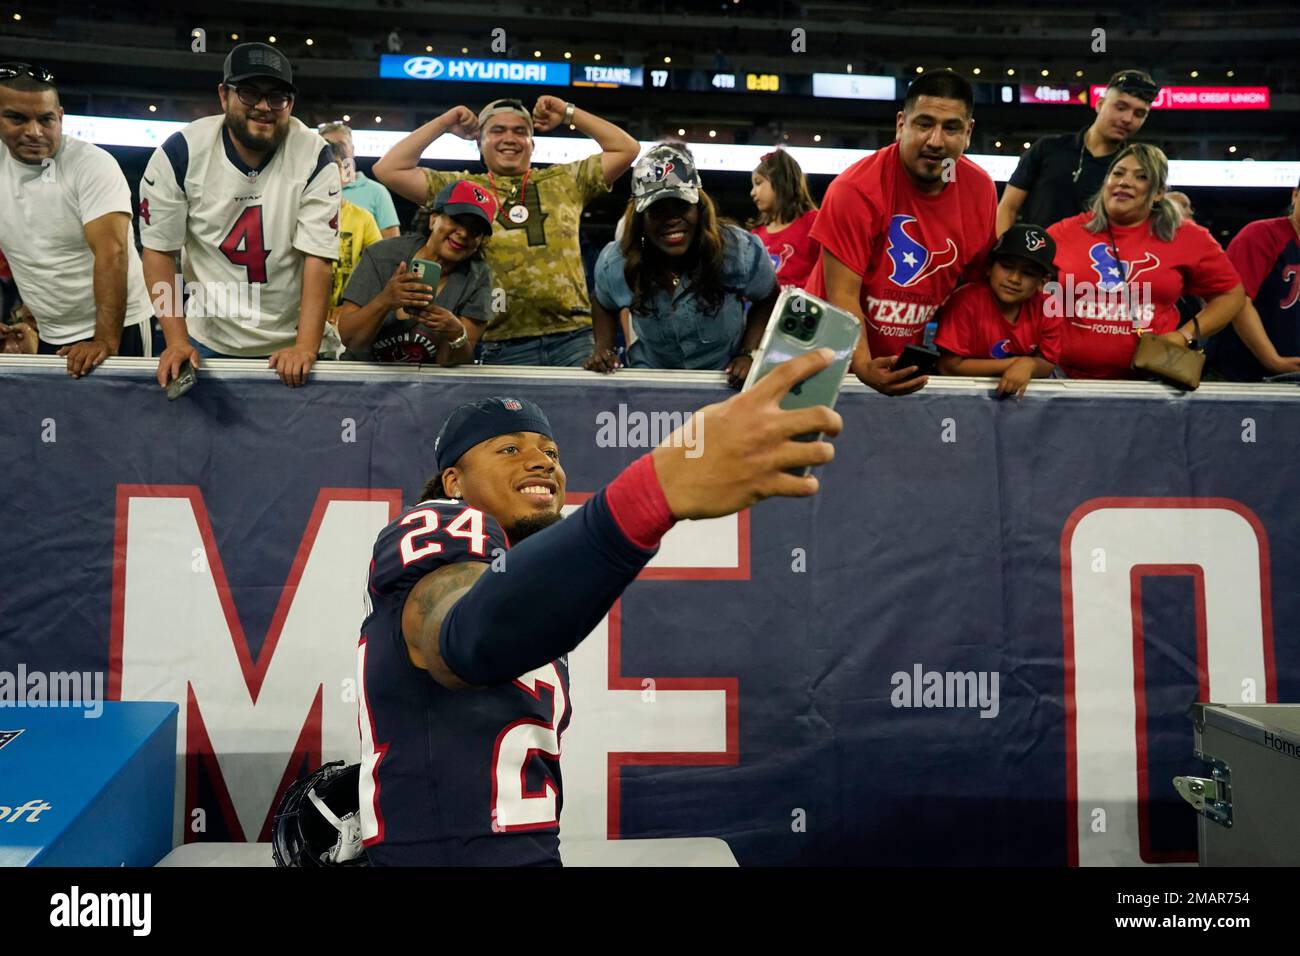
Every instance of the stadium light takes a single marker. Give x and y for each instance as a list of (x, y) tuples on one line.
[(1011, 72), (596, 56), (270, 39), (234, 36), (1195, 74), (310, 41), (681, 132), (976, 71), (152, 108), (725, 157), (347, 118)]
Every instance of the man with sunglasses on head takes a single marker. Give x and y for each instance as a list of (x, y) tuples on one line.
[(250, 198), (65, 227), (358, 188), (534, 252), (1059, 175)]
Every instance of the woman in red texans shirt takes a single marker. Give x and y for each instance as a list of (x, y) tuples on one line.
[(1124, 264), (786, 213)]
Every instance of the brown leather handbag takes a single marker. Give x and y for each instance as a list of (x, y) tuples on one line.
[(1163, 360)]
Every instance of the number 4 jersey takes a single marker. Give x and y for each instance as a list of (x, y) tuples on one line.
[(450, 778), (243, 232)]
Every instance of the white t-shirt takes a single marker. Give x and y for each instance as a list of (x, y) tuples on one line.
[(43, 210), (243, 234)]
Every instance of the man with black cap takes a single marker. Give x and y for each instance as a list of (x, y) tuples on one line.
[(388, 314), (464, 673), (1059, 175), (534, 254), (999, 327), (251, 200)]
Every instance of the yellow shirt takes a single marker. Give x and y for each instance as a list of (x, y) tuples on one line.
[(357, 229)]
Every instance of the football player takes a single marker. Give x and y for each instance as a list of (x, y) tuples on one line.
[(478, 593), (251, 199)]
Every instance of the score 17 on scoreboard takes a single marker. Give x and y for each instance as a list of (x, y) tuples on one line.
[(705, 81)]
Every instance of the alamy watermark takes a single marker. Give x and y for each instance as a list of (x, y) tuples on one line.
[(946, 689), (24, 688), (216, 299), (637, 429)]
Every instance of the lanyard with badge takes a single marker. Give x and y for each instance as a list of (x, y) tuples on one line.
[(518, 212)]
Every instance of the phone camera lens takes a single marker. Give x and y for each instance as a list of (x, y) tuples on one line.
[(788, 324)]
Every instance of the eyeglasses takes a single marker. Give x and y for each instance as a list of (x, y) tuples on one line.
[(10, 70), (332, 125), (276, 100)]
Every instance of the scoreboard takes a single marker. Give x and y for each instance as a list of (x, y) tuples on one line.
[(717, 81)]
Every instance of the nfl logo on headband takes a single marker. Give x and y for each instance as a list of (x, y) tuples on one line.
[(511, 404)]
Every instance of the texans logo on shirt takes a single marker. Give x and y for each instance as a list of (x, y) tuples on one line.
[(1112, 273), (1001, 349), (780, 259), (912, 261)]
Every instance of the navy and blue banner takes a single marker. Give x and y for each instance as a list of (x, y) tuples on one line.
[(976, 645), (456, 69)]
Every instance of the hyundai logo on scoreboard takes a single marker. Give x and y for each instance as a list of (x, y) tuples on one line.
[(1203, 97), (608, 76), (850, 86), (462, 70)]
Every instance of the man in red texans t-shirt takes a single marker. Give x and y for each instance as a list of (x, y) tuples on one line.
[(901, 227), (1264, 338)]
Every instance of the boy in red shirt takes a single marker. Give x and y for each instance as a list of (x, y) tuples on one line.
[(998, 327)]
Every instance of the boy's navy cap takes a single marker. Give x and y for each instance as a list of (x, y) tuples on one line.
[(1025, 240), (479, 421)]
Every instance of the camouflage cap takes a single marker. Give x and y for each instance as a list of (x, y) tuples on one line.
[(666, 171)]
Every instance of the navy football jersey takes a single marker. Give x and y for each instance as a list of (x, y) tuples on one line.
[(466, 777)]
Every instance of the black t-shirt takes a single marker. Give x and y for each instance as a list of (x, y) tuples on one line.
[(467, 295), (1046, 172)]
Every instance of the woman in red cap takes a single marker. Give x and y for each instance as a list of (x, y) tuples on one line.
[(388, 314)]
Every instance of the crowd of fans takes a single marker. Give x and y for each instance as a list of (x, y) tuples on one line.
[(261, 240)]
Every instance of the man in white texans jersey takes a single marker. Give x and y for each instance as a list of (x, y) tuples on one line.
[(250, 198)]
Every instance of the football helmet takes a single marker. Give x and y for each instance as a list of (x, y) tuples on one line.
[(318, 822)]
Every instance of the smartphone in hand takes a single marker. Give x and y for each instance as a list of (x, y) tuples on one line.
[(428, 272), (925, 360), (183, 382), (801, 323)]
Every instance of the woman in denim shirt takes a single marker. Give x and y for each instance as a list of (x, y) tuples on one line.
[(685, 276)]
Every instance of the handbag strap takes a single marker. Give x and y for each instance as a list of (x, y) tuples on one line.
[(1196, 327)]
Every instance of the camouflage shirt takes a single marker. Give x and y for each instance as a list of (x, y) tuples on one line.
[(537, 263)]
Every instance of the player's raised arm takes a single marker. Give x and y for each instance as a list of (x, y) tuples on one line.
[(471, 628)]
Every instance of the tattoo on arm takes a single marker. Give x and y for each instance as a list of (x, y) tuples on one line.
[(429, 602)]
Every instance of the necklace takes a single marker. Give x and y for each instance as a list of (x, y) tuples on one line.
[(518, 212)]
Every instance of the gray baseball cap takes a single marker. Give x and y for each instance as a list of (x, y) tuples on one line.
[(666, 171)]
